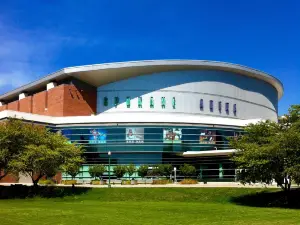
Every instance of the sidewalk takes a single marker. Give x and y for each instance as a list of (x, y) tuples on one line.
[(199, 185)]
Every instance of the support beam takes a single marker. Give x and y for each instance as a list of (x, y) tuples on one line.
[(51, 85), (22, 95)]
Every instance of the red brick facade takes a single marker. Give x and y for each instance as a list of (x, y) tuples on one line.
[(8, 178), (63, 100)]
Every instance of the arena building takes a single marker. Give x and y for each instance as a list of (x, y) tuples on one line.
[(150, 112)]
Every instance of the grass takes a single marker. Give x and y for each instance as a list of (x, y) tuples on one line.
[(147, 206)]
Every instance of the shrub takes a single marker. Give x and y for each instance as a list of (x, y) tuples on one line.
[(69, 182), (189, 181), (187, 170), (143, 171), (130, 169), (46, 182), (164, 181), (97, 171), (126, 182), (97, 182), (119, 171)]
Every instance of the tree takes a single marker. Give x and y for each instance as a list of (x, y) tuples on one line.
[(45, 153), (269, 151), (14, 137), (72, 169), (143, 171), (187, 170), (130, 169), (97, 171), (119, 171), (166, 170)]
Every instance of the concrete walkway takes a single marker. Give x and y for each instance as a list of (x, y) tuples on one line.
[(199, 185)]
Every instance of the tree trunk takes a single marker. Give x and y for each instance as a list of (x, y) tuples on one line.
[(2, 176)]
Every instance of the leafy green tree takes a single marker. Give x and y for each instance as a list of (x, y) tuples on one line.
[(97, 171), (143, 171), (72, 169), (130, 169), (166, 169), (157, 170), (14, 137), (45, 153), (187, 170), (119, 171), (269, 151)]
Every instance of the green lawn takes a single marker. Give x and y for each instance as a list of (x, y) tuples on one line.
[(145, 206)]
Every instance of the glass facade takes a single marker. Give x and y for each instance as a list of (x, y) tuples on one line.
[(154, 145)]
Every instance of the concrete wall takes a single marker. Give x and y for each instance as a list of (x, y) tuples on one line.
[(254, 98)]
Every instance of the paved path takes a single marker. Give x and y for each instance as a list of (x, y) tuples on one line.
[(199, 185)]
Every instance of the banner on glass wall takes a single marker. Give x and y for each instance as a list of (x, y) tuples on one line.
[(172, 135), (98, 136), (134, 135), (207, 137)]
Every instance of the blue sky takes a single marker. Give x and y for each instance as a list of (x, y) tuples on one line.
[(40, 37)]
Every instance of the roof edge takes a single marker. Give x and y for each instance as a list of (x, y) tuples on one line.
[(244, 70)]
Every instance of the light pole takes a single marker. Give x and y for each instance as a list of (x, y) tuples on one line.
[(175, 180), (109, 154)]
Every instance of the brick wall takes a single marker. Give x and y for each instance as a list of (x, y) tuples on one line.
[(13, 106), (39, 103), (63, 100), (25, 104), (8, 178), (79, 101)]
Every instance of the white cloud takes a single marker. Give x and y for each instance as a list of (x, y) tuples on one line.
[(26, 55)]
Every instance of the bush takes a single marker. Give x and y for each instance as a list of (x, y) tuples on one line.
[(69, 182), (189, 181), (126, 182), (46, 182), (119, 171), (97, 182), (143, 171), (130, 169), (97, 171), (187, 170), (164, 181)]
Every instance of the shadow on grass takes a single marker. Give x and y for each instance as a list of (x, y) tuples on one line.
[(22, 191), (278, 199)]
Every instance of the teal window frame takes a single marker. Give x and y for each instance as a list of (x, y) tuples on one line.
[(105, 101), (128, 102), (174, 103), (140, 102), (116, 101), (151, 102), (163, 102)]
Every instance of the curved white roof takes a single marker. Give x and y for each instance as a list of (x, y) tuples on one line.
[(100, 74)]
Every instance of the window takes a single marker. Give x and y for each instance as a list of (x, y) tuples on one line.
[(211, 105), (128, 102), (201, 105), (105, 101), (140, 102), (116, 102), (227, 108), (151, 103), (234, 109), (163, 102), (174, 103), (220, 106)]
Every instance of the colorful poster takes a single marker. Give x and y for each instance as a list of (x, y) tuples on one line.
[(134, 135), (98, 136), (172, 135), (207, 137)]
